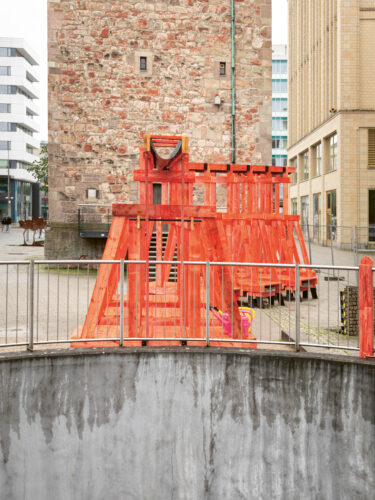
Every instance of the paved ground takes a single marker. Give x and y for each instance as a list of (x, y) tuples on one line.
[(62, 298), (11, 246)]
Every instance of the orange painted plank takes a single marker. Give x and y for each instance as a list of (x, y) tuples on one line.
[(162, 211), (108, 274), (366, 308)]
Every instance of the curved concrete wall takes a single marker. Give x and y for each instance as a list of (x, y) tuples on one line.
[(186, 424)]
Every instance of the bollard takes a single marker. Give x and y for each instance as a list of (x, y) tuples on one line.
[(366, 308)]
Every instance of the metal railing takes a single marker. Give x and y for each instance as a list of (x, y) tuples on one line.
[(338, 245), (212, 303)]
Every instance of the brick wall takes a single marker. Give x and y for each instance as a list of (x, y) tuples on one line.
[(100, 103)]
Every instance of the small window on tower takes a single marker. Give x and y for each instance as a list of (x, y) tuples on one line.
[(223, 68), (143, 63)]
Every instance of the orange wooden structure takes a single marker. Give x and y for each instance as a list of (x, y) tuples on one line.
[(247, 228), (366, 308)]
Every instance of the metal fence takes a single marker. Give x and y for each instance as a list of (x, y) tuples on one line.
[(338, 245), (212, 303)]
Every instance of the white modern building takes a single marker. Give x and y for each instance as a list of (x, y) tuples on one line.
[(19, 146), (279, 105)]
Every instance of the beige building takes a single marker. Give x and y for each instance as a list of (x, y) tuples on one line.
[(332, 115)]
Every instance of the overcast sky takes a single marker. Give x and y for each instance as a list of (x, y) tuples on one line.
[(28, 19)]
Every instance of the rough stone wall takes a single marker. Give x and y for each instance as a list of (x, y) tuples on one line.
[(101, 104), (186, 424)]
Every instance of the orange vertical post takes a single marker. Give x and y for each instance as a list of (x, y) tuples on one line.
[(106, 282), (159, 250), (135, 288), (366, 308), (194, 272)]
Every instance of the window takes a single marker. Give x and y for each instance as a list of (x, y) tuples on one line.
[(223, 69), (5, 70), (22, 164), (279, 160), (29, 149), (317, 215), (280, 124), (5, 145), (371, 147), (156, 194), (8, 127), (305, 166), (279, 105), (5, 108), (8, 89), (143, 63), (333, 153), (294, 206), (318, 159), (293, 177), (3, 163), (304, 210), (8, 52), (24, 200), (279, 142), (279, 66), (371, 214), (331, 215), (279, 85)]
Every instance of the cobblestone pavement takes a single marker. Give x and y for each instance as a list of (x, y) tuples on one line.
[(62, 296)]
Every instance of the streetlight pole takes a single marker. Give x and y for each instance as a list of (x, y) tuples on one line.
[(9, 199)]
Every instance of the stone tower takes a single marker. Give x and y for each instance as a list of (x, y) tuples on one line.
[(118, 69)]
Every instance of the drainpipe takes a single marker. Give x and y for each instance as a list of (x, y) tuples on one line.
[(233, 32)]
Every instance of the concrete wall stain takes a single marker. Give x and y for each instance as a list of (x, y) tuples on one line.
[(192, 425)]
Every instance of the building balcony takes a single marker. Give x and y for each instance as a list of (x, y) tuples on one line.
[(18, 174), (19, 140), (20, 67), (18, 155), (20, 104)]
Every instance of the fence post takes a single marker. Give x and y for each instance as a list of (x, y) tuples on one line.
[(31, 306), (366, 308), (207, 304), (298, 303), (121, 302), (356, 244)]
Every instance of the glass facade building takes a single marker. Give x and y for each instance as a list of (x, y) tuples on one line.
[(279, 105)]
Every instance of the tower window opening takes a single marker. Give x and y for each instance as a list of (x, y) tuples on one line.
[(143, 63)]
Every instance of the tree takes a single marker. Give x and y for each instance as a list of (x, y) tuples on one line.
[(40, 168)]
